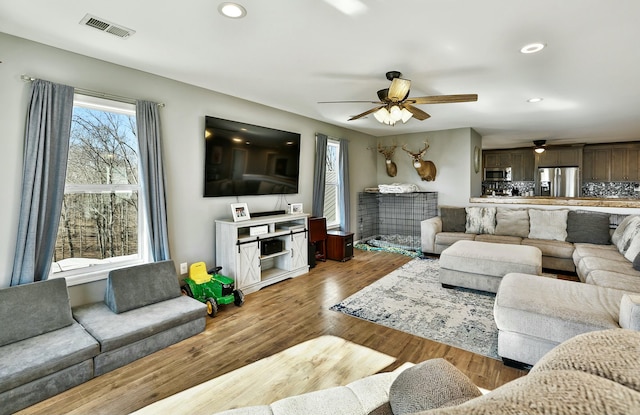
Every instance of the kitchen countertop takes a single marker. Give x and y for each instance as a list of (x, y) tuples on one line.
[(558, 201)]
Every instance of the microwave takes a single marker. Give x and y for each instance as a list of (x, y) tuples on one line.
[(497, 174)]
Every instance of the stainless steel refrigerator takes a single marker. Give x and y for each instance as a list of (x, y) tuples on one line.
[(558, 181)]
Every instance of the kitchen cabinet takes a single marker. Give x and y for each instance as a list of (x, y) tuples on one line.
[(560, 157), (496, 159), (624, 164), (262, 251), (522, 167), (596, 164)]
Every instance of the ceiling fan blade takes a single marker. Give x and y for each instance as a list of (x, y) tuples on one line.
[(350, 102), (418, 114), (443, 99), (371, 111), (399, 89)]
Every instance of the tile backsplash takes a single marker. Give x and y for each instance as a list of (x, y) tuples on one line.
[(628, 190)]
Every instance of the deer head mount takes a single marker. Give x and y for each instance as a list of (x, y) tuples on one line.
[(387, 152), (425, 168)]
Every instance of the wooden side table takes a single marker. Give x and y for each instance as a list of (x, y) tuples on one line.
[(339, 245)]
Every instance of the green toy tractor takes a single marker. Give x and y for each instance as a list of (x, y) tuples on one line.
[(211, 288)]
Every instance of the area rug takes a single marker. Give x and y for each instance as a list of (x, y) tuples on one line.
[(411, 299), (320, 363)]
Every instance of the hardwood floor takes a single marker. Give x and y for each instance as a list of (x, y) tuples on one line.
[(272, 319)]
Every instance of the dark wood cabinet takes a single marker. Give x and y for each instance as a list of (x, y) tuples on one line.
[(522, 167), (560, 157), (339, 245)]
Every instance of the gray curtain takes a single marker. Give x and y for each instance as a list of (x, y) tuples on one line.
[(152, 177), (343, 182), (319, 175), (46, 149)]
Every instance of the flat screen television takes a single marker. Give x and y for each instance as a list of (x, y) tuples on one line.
[(243, 159)]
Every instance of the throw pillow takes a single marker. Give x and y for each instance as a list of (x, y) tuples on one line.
[(629, 312), (481, 220), (432, 384), (588, 227), (617, 234), (636, 263), (548, 224), (454, 219), (631, 230), (512, 222)]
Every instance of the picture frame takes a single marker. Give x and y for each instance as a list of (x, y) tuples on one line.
[(295, 208), (240, 212)]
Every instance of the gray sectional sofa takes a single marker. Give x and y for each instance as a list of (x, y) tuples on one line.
[(594, 373), (143, 311), (43, 350), (47, 347)]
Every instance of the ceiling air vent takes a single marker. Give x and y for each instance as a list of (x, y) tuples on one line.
[(106, 26)]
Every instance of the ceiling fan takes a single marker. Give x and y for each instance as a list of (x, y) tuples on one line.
[(395, 105)]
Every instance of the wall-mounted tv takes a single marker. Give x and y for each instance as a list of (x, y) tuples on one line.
[(243, 159)]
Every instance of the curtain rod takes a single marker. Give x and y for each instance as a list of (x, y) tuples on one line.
[(96, 94)]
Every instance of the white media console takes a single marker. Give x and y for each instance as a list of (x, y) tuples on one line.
[(261, 251)]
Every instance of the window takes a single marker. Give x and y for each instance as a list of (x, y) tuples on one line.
[(331, 194), (101, 224)]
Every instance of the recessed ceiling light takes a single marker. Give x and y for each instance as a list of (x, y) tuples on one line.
[(532, 48), (533, 100), (232, 10)]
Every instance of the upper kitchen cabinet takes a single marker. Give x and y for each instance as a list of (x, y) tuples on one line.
[(618, 162), (522, 165), (624, 163), (596, 164), (497, 158), (560, 157)]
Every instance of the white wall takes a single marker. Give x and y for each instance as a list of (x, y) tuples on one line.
[(452, 153), (191, 217)]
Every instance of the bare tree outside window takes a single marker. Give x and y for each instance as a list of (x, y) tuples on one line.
[(331, 212), (100, 212)]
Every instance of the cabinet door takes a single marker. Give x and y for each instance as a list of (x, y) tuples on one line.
[(601, 170), (297, 244), (624, 164), (248, 265), (517, 167), (568, 157), (496, 159)]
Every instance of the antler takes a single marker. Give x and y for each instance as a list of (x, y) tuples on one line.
[(420, 153), (387, 151), (426, 147)]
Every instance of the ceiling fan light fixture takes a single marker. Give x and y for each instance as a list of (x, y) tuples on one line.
[(381, 115), (406, 115), (539, 146), (396, 113)]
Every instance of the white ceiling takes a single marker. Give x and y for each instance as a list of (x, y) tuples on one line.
[(290, 54)]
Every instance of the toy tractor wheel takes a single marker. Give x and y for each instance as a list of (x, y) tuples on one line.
[(238, 298), (212, 307), (186, 290)]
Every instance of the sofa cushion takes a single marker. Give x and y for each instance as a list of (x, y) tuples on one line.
[(554, 309), (454, 219), (633, 249), (434, 383), (636, 262), (588, 227), (30, 315), (512, 222), (449, 238), (630, 316), (117, 330), (617, 352), (33, 358), (548, 224), (591, 263), (129, 288), (498, 239), (551, 248), (613, 279), (582, 250), (481, 220)]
